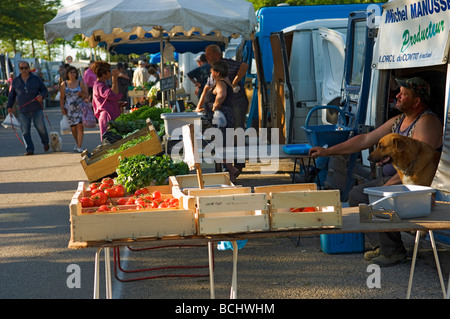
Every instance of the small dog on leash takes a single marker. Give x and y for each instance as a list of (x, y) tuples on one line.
[(55, 141)]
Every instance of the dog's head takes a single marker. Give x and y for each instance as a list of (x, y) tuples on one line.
[(54, 136), (389, 148)]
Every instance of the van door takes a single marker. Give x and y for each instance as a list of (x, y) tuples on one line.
[(281, 90), (329, 84), (356, 89)]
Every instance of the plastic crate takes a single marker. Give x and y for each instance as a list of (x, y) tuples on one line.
[(296, 149), (320, 135), (174, 122), (408, 201), (342, 243)]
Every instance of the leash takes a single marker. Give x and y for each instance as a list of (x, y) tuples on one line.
[(42, 106)]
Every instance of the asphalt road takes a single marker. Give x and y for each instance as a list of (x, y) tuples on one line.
[(35, 262)]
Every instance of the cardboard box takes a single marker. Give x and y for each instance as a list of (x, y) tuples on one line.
[(128, 222)]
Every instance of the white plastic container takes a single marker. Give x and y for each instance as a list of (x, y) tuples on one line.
[(174, 122), (408, 201)]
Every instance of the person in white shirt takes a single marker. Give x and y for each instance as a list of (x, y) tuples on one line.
[(140, 76)]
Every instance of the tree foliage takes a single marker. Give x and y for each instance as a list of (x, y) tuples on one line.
[(22, 20)]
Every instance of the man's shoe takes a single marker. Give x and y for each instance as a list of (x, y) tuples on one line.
[(371, 254), (46, 147), (29, 153), (387, 261)]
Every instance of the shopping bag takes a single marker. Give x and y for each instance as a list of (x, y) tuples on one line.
[(64, 125), (88, 116), (219, 119), (10, 121)]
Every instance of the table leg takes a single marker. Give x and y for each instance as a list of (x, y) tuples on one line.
[(96, 273), (448, 288), (233, 293), (211, 269), (413, 264), (438, 265), (108, 274), (294, 171)]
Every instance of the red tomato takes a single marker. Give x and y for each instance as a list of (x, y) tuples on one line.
[(131, 201), (163, 205), (120, 190), (110, 192), (108, 180), (140, 201), (138, 192), (94, 186), (95, 191), (295, 209), (114, 209), (309, 209), (87, 202), (174, 201), (122, 201), (99, 199), (154, 204), (148, 198), (140, 207), (156, 195), (103, 208), (104, 186)]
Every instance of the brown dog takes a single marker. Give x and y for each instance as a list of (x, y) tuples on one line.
[(416, 162)]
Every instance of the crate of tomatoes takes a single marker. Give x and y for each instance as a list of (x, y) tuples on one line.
[(104, 211)]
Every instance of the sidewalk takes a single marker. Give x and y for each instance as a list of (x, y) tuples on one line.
[(34, 230)]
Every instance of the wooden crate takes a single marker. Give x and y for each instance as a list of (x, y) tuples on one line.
[(239, 213), (182, 185), (285, 188), (102, 150), (98, 168), (128, 222), (322, 209)]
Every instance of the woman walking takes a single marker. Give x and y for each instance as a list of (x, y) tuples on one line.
[(73, 92)]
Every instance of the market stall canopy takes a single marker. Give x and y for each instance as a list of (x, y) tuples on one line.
[(140, 25)]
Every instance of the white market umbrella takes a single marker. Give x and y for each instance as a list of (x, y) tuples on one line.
[(116, 22)]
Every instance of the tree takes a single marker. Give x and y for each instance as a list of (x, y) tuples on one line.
[(23, 20)]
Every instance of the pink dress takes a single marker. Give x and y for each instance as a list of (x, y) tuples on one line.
[(105, 105)]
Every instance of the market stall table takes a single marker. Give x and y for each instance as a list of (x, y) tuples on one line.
[(439, 219)]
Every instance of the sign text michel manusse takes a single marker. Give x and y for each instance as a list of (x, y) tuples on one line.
[(413, 34)]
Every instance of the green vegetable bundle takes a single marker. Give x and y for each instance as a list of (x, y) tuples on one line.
[(140, 170), (127, 145), (130, 122)]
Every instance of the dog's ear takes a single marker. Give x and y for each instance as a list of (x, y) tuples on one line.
[(401, 144)]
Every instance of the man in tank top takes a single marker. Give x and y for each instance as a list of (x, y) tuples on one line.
[(416, 121)]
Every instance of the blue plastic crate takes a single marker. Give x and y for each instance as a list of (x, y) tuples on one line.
[(296, 149), (320, 135), (342, 243)]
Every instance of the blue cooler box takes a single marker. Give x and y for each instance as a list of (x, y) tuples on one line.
[(342, 243)]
